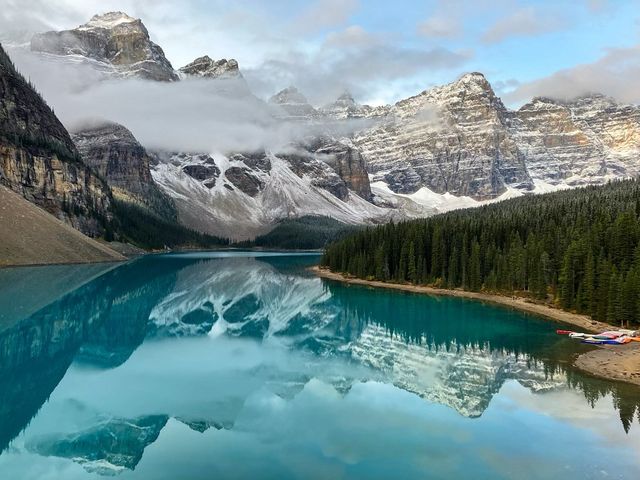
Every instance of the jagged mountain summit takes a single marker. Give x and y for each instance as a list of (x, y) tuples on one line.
[(291, 104), (460, 139), (225, 74), (346, 107), (115, 39), (117, 45), (206, 67)]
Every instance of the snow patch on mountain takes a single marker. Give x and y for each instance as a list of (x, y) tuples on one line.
[(225, 209), (108, 20)]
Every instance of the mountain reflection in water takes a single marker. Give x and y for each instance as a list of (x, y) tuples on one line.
[(289, 327)]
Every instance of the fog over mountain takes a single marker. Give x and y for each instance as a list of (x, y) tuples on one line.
[(192, 115)]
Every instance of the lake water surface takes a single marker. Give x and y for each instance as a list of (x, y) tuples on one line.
[(246, 366)]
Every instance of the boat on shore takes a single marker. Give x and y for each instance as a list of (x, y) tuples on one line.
[(611, 337)]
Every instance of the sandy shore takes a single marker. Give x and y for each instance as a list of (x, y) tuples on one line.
[(610, 362), (613, 362)]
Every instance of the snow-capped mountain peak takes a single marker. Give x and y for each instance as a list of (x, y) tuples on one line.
[(108, 20), (205, 66), (346, 107), (116, 41), (292, 104), (290, 95)]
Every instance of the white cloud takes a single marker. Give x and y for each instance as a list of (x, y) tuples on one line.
[(325, 14), (353, 36), (440, 26), (365, 68), (523, 22), (613, 74)]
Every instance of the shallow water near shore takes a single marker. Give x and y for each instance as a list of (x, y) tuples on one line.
[(246, 365)]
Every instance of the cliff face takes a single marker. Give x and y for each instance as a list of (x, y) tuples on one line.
[(459, 138), (115, 39), (112, 151), (452, 139), (345, 159), (588, 140), (39, 161)]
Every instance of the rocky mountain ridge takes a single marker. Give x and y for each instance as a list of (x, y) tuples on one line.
[(461, 139), (448, 139), (346, 107), (206, 67), (244, 193), (591, 139)]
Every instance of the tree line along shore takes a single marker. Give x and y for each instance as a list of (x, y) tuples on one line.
[(577, 250)]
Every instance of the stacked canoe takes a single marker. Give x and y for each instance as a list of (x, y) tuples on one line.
[(612, 337)]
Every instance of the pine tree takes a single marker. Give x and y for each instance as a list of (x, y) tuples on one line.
[(412, 271), (475, 273)]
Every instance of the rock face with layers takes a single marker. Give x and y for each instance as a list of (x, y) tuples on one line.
[(112, 151), (345, 159), (39, 161), (460, 139), (452, 139), (591, 139), (113, 38)]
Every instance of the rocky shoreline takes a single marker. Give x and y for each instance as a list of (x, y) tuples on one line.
[(621, 363)]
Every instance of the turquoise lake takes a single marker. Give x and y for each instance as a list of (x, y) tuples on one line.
[(247, 366)]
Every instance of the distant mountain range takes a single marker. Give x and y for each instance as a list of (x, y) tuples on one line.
[(448, 147)]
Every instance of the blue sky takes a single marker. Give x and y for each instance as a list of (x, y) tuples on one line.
[(383, 51)]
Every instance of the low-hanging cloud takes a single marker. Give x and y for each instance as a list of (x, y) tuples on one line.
[(196, 115)]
